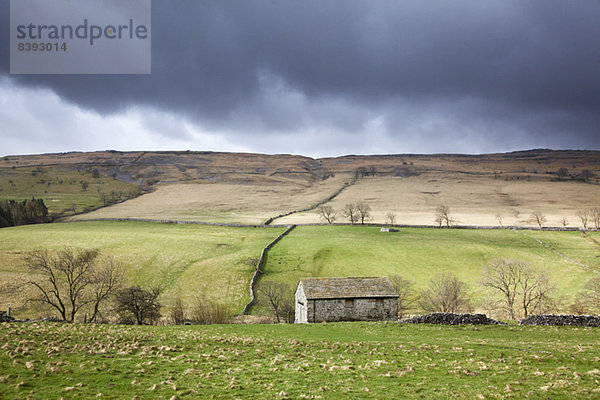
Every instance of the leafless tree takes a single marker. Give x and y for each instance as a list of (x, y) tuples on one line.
[(562, 173), (564, 221), (206, 311), (327, 213), (591, 295), (538, 218), (587, 174), (584, 216), (443, 216), (178, 314), (579, 306), (364, 211), (536, 290), (504, 276), (499, 219), (278, 297), (391, 218), (406, 293), (62, 280), (361, 172), (595, 216), (372, 170), (351, 213), (446, 293), (518, 285), (105, 281), (141, 304)]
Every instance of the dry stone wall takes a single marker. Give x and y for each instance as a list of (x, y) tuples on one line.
[(4, 317), (561, 320), (259, 265), (452, 319)]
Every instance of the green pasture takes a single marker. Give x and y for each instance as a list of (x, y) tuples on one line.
[(419, 254), (186, 260), (218, 262), (328, 361), (65, 191)]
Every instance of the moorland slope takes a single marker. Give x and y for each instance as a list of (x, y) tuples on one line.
[(489, 189)]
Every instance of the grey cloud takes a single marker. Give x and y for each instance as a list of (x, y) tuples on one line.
[(459, 75)]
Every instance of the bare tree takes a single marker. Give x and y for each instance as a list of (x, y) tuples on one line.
[(504, 276), (63, 279), (562, 173), (443, 216), (178, 315), (518, 285), (278, 297), (579, 306), (591, 295), (595, 216), (446, 293), (564, 221), (361, 172), (364, 211), (206, 311), (327, 213), (141, 304), (406, 293), (499, 219), (538, 218), (584, 216), (351, 213), (536, 292), (391, 218), (105, 282), (587, 174)]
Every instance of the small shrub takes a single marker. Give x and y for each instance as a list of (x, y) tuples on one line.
[(207, 312)]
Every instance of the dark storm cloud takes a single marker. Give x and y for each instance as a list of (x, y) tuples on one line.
[(494, 75)]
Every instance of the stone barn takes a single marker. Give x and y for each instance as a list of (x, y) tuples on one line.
[(345, 299)]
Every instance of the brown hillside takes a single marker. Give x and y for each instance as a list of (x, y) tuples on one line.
[(249, 188)]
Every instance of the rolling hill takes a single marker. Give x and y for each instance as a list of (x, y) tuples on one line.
[(488, 189), (494, 189)]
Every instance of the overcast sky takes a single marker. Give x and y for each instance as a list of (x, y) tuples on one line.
[(327, 78)]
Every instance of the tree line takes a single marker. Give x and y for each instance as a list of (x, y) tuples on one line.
[(73, 282), (361, 212), (23, 212), (511, 289)]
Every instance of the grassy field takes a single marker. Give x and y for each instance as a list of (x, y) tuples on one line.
[(65, 191), (473, 199), (419, 254), (188, 260), (332, 361), (248, 202), (183, 259)]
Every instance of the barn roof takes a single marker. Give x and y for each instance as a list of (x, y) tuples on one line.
[(344, 288)]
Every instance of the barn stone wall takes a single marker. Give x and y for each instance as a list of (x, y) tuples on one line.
[(360, 309)]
